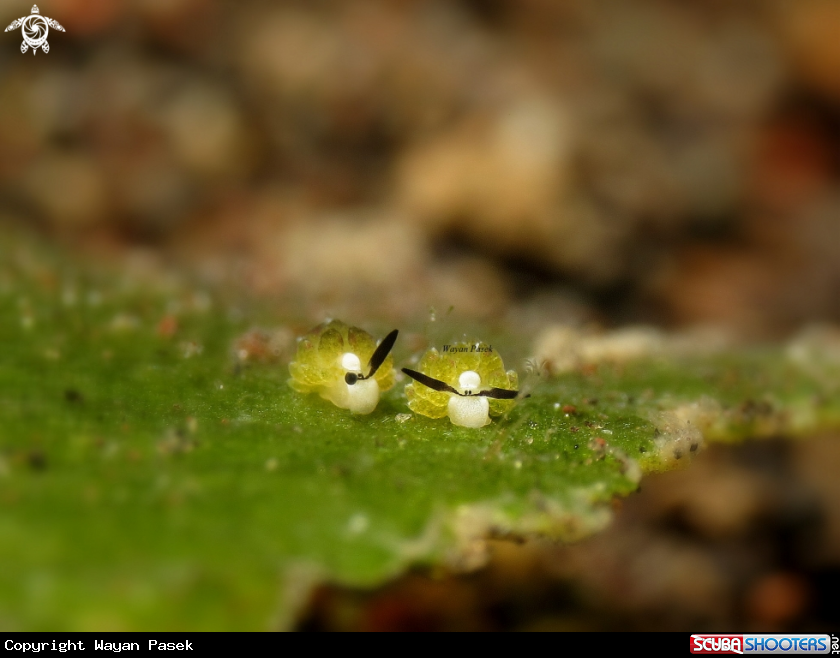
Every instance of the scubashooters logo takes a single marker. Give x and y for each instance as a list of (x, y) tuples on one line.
[(761, 644)]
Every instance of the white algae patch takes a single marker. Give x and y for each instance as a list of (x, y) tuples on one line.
[(675, 437), (815, 348), (564, 349), (459, 537)]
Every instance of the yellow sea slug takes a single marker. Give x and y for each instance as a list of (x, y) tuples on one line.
[(466, 381), (329, 361)]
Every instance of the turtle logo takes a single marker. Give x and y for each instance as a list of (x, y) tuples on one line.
[(35, 29)]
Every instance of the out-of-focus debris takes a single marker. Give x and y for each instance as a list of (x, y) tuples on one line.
[(563, 348), (262, 139)]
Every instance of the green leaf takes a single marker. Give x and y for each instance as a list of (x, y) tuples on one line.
[(152, 477)]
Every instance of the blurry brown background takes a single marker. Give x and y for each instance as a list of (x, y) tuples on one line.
[(671, 162)]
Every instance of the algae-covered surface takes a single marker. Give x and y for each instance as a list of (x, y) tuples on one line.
[(152, 476)]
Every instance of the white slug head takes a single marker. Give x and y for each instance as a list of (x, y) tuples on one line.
[(470, 382), (344, 365), (471, 411), (361, 397), (355, 392), (351, 363)]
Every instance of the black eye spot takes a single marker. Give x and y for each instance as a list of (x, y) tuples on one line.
[(351, 378)]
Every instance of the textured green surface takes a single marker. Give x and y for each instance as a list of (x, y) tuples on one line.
[(148, 482)]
